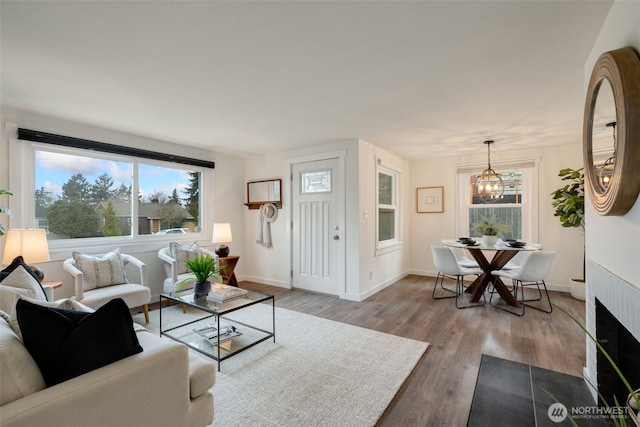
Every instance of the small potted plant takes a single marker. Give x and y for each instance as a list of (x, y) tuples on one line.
[(568, 202), (4, 210), (489, 231), (203, 268)]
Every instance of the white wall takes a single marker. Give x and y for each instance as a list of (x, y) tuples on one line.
[(225, 205), (613, 241), (613, 248), (272, 265), (379, 271), (428, 229)]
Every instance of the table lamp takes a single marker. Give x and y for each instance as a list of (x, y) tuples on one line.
[(31, 243), (222, 235)]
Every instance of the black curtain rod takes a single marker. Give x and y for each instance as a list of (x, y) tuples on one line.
[(67, 141)]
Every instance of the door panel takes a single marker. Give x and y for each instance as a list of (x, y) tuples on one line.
[(316, 235)]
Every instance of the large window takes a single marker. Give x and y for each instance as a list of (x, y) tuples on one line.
[(388, 207), (514, 210), (81, 194), (82, 197)]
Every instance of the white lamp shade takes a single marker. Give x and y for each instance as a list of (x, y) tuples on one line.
[(222, 233), (31, 243)]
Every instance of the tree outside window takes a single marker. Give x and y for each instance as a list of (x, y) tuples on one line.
[(78, 196)]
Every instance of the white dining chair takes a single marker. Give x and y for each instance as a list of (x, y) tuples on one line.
[(535, 269), (519, 259), (463, 260), (447, 266)]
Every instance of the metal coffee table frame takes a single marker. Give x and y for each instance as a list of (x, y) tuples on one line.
[(218, 310)]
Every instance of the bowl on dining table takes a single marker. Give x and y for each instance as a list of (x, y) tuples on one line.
[(517, 244), (466, 240)]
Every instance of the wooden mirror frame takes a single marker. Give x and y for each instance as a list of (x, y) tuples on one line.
[(621, 68), (255, 204)]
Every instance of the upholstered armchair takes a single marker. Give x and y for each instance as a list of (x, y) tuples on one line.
[(101, 278), (173, 259)]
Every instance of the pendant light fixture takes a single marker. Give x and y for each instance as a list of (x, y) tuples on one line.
[(489, 183), (605, 170)]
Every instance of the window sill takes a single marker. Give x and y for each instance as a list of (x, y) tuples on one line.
[(388, 249)]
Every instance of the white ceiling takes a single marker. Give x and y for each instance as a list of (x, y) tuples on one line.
[(420, 79)]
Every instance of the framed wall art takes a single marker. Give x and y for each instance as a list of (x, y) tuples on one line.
[(430, 199)]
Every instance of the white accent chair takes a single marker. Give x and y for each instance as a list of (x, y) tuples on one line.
[(172, 269), (533, 272), (133, 294), (447, 265)]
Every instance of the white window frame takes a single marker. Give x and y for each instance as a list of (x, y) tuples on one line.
[(386, 246), (529, 205), (22, 204)]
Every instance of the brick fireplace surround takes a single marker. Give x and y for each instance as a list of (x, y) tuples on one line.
[(621, 298)]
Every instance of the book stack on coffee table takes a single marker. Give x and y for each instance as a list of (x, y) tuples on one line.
[(222, 293)]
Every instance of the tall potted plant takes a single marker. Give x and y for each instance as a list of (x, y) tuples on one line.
[(568, 202)]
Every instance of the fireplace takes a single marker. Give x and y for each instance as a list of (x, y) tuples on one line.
[(623, 348), (613, 316)]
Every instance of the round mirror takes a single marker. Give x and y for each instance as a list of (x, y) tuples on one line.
[(603, 135), (612, 132)]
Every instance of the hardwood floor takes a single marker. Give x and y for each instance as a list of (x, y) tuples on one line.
[(440, 389)]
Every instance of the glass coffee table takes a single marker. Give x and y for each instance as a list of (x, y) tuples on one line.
[(210, 331)]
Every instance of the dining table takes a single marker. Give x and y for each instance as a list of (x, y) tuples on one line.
[(502, 254)]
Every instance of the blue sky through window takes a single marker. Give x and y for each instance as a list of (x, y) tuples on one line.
[(53, 170)]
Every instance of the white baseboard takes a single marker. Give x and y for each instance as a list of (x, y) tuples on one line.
[(381, 286), (264, 281), (550, 286), (363, 296)]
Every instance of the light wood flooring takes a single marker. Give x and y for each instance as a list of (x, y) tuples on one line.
[(440, 389)]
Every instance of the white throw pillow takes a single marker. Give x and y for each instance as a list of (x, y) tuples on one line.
[(18, 283), (101, 271), (183, 253), (19, 372)]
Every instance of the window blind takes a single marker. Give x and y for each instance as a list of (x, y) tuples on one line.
[(67, 141)]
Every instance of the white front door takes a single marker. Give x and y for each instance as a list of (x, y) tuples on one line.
[(317, 240)]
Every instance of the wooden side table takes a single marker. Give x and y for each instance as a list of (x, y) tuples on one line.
[(51, 284), (228, 264)]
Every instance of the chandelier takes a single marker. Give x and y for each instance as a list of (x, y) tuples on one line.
[(605, 170), (489, 183)]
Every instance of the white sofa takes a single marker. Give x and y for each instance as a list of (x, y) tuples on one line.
[(164, 385)]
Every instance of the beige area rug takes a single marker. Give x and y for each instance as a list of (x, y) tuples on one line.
[(317, 373)]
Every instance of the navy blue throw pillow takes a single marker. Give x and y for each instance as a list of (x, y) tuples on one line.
[(66, 344)]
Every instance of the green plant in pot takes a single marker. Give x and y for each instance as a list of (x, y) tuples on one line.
[(203, 268), (489, 230), (4, 210), (568, 202)]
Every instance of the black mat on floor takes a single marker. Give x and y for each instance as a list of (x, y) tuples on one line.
[(510, 394)]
